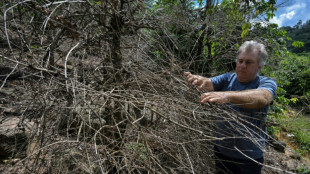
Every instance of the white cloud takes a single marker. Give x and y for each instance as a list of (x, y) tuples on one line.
[(285, 16), (288, 16), (277, 21), (296, 7)]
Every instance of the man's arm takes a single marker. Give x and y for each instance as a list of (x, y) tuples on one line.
[(202, 83), (249, 99)]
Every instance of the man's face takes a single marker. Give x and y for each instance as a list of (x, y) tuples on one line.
[(247, 66)]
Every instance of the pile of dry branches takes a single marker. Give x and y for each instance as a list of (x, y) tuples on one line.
[(78, 78)]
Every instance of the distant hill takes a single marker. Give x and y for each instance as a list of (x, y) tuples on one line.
[(300, 32)]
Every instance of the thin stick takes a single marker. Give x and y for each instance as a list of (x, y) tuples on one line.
[(66, 76)]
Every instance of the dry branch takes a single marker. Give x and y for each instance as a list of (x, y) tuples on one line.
[(114, 110)]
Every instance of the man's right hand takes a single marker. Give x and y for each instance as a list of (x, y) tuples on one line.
[(198, 81)]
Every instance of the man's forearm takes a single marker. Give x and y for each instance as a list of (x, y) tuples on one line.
[(250, 99)]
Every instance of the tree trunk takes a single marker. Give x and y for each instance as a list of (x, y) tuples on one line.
[(116, 119)]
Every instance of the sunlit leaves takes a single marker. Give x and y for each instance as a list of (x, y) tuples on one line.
[(245, 29), (297, 44)]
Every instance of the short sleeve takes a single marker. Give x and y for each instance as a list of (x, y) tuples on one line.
[(268, 84), (220, 81)]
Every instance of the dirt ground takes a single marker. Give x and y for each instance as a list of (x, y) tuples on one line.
[(288, 162)]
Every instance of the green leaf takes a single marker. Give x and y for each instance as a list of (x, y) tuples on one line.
[(297, 44), (245, 29)]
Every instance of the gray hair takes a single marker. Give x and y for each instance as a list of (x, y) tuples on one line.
[(252, 45)]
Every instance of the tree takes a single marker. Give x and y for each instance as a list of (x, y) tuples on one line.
[(214, 31), (298, 25), (298, 34)]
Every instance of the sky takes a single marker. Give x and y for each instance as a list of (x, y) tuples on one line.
[(291, 12)]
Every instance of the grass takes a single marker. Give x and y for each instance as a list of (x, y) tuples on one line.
[(300, 128), (303, 171), (295, 127)]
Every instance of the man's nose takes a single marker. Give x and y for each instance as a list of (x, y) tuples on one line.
[(242, 64)]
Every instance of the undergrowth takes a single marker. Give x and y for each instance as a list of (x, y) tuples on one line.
[(293, 126)]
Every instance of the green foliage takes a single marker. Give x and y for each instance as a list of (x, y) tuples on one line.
[(300, 34), (294, 75), (200, 2), (298, 126), (168, 4), (297, 44), (275, 40), (94, 2), (245, 29), (190, 32), (138, 149), (303, 170), (177, 34), (273, 130)]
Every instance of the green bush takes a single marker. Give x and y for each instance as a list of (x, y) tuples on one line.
[(293, 74)]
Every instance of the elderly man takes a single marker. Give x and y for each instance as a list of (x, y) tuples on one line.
[(241, 150)]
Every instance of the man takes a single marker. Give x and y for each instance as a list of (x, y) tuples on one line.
[(241, 150)]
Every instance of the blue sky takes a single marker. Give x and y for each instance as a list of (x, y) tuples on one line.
[(291, 12)]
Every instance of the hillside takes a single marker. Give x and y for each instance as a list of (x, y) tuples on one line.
[(300, 32)]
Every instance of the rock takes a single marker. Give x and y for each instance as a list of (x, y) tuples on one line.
[(278, 145), (304, 164), (292, 154), (291, 164)]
